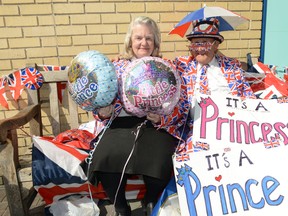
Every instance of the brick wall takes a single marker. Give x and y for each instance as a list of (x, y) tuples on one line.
[(54, 31)]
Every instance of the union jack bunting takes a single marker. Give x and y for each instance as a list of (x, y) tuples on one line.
[(15, 84), (61, 86), (31, 78), (3, 98), (54, 68)]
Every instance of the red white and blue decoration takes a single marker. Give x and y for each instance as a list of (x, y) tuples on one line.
[(31, 78), (228, 20), (266, 84), (3, 98), (239, 166), (92, 80), (168, 203), (56, 179), (150, 84), (15, 82), (61, 86)]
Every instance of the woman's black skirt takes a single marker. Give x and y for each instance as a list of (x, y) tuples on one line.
[(151, 152)]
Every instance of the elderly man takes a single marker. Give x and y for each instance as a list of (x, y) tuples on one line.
[(205, 68), (203, 72)]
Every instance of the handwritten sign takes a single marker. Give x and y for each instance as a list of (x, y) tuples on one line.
[(244, 170)]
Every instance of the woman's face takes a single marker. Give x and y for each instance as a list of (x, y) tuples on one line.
[(204, 54), (142, 41)]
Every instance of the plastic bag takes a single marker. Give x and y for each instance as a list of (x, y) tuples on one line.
[(75, 206)]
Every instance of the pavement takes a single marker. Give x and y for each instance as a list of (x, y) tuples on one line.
[(106, 209), (36, 207), (4, 211)]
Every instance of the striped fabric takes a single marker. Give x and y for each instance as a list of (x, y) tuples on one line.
[(267, 84), (57, 173)]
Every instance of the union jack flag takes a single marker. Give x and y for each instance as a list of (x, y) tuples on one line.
[(56, 179), (272, 143), (233, 87), (234, 62), (282, 100), (15, 85), (117, 107), (182, 157), (3, 98), (229, 75), (31, 78), (189, 143), (202, 145), (185, 80), (204, 88)]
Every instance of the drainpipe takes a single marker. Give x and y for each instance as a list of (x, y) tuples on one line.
[(263, 31)]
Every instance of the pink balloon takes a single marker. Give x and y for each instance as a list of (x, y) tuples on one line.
[(150, 84)]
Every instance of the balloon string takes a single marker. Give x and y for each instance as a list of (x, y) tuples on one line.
[(129, 157), (89, 159), (182, 132)]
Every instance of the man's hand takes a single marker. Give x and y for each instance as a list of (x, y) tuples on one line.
[(154, 118)]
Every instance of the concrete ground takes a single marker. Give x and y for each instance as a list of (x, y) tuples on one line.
[(106, 209)]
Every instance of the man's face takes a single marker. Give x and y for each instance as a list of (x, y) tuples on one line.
[(203, 49)]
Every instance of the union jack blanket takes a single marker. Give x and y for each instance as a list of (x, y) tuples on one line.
[(57, 173)]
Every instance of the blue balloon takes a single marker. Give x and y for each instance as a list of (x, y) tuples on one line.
[(92, 80)]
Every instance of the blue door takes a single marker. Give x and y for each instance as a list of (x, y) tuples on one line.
[(274, 46)]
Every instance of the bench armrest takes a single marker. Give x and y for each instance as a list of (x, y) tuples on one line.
[(23, 117)]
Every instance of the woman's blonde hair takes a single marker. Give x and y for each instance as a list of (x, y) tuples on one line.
[(142, 20)]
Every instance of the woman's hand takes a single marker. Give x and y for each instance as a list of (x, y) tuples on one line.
[(116, 58), (154, 118), (105, 112)]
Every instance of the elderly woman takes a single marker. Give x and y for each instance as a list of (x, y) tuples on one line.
[(133, 145)]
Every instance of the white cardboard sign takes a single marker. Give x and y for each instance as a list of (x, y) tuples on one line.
[(244, 170)]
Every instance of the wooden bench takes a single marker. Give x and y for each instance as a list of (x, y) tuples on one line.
[(15, 174)]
